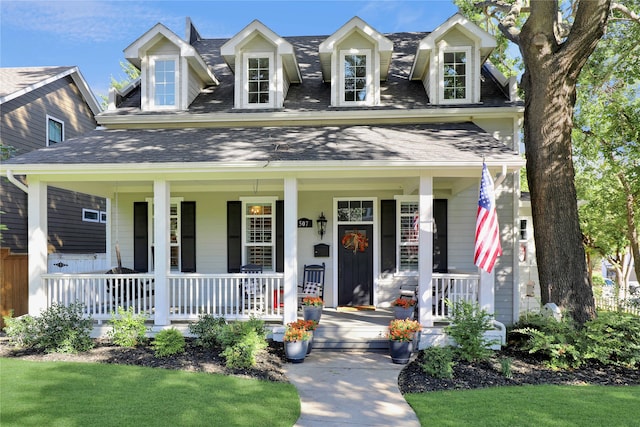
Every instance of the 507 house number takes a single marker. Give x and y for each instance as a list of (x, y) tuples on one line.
[(305, 223)]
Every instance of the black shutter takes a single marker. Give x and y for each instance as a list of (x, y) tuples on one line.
[(388, 235), (188, 237), (140, 237), (280, 236), (440, 245), (234, 236)]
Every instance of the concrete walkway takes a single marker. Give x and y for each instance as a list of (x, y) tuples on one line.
[(350, 388)]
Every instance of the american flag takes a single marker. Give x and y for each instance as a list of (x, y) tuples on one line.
[(488, 247)]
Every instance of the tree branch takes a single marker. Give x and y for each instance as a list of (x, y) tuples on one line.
[(507, 25), (626, 11)]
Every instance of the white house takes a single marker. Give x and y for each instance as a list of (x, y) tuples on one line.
[(224, 149)]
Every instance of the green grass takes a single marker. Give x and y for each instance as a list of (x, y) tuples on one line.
[(86, 394), (540, 406)]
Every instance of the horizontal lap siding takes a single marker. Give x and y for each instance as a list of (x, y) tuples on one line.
[(24, 126)]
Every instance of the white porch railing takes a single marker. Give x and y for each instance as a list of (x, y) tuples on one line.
[(453, 287), (234, 296)]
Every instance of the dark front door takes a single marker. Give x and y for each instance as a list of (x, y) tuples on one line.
[(355, 265)]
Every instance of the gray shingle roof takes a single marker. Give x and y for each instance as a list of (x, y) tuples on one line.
[(398, 92), (437, 143), (15, 79)]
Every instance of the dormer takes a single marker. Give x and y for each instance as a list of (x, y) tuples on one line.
[(448, 61), (172, 73), (264, 66), (355, 59)]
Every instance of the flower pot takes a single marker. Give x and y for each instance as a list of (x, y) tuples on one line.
[(403, 313), (310, 343), (296, 350), (312, 312), (400, 351)]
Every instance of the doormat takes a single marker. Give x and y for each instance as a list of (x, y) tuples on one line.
[(356, 308)]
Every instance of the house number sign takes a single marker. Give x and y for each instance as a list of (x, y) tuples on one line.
[(305, 223)]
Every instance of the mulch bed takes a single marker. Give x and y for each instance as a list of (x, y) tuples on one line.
[(412, 379)]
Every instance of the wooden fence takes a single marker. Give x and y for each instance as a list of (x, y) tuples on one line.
[(631, 306), (14, 284)]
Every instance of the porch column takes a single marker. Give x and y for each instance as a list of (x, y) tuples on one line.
[(161, 205), (425, 242), (37, 246), (290, 249), (486, 298)]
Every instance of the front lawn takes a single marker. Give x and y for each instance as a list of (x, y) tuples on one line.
[(540, 406), (86, 394)]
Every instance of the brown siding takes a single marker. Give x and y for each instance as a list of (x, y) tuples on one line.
[(24, 126)]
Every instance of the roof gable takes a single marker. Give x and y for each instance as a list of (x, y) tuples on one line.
[(383, 45), (457, 27), (159, 35), (256, 30), (16, 82)]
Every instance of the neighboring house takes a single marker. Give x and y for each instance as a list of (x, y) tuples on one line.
[(224, 149), (42, 107)]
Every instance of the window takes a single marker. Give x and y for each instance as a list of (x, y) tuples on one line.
[(409, 228), (455, 75), (55, 131), (259, 232), (258, 77), (258, 90), (103, 217), (90, 215), (356, 77), (175, 222), (355, 211), (164, 86)]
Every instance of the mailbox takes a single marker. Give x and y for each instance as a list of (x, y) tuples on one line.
[(321, 250)]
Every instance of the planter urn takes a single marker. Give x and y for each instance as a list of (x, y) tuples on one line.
[(400, 351), (312, 312), (296, 351), (403, 313)]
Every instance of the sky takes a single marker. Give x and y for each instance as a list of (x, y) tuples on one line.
[(93, 34)]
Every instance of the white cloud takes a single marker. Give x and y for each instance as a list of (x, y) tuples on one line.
[(76, 21)]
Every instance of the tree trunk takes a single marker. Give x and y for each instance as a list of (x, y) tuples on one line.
[(549, 82), (632, 229)]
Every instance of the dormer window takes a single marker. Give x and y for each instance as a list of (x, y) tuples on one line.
[(164, 85), (355, 74), (355, 59), (264, 66), (259, 72), (455, 75), (449, 59)]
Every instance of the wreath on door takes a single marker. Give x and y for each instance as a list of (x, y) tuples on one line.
[(355, 241)]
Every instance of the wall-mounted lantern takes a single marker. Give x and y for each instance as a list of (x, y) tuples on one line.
[(322, 225)]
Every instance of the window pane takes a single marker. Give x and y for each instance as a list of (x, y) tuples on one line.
[(258, 77), (455, 69), (355, 82), (165, 84), (55, 132)]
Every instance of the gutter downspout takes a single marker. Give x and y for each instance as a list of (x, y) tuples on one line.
[(15, 181)]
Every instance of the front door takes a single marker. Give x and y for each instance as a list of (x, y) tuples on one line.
[(355, 264)]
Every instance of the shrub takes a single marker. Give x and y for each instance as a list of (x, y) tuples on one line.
[(438, 362), (505, 367), (168, 342), (207, 330), (469, 323), (62, 329), (242, 354), (555, 340), (613, 338), (21, 331), (127, 328), (241, 341)]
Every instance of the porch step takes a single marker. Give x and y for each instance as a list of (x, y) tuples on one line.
[(344, 337)]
